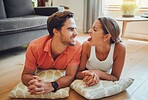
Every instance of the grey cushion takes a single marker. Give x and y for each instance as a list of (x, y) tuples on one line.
[(22, 24), (16, 8), (2, 10)]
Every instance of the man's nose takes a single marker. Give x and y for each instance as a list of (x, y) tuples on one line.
[(75, 33)]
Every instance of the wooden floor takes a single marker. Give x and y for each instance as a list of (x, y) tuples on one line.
[(136, 66)]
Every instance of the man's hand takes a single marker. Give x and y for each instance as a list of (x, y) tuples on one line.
[(91, 78), (39, 86)]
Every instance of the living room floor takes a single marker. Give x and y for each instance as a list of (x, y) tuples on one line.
[(136, 67)]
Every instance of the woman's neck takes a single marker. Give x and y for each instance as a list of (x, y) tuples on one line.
[(102, 51), (103, 48)]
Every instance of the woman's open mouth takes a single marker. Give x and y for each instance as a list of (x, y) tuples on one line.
[(89, 39)]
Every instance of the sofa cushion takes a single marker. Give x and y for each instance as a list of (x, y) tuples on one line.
[(21, 24), (2, 10), (16, 8)]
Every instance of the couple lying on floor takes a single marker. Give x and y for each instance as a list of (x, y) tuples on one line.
[(100, 57)]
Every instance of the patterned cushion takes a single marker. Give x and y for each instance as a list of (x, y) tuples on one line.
[(102, 89), (21, 91)]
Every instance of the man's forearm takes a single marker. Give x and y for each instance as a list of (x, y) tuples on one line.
[(80, 75), (26, 78), (65, 81)]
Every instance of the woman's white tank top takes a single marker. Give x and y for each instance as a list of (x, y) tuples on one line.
[(94, 63)]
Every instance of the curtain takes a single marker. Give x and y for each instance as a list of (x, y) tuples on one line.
[(92, 10)]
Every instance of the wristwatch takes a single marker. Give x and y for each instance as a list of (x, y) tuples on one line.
[(55, 86)]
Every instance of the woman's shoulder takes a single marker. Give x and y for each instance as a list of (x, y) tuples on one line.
[(86, 44), (86, 47), (120, 48)]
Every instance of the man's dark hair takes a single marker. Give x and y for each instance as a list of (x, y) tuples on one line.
[(57, 20)]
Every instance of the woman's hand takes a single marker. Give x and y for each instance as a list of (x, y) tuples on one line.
[(91, 78)]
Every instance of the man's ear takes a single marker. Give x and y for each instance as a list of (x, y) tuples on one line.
[(55, 31), (107, 37)]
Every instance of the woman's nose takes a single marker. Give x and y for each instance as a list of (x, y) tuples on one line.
[(89, 31)]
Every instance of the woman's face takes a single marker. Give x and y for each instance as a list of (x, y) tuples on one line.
[(96, 34)]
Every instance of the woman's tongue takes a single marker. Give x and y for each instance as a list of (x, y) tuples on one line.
[(89, 39)]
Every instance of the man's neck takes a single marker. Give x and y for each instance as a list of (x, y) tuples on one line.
[(57, 48)]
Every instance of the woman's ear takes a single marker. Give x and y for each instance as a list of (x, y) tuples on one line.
[(107, 37), (55, 31)]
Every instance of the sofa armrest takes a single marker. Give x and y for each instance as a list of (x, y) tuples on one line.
[(47, 11)]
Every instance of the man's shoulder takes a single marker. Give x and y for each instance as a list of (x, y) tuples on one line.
[(40, 41)]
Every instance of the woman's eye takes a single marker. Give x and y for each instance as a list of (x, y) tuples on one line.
[(95, 30)]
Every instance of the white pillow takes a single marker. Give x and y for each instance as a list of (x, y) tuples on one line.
[(21, 91), (102, 89)]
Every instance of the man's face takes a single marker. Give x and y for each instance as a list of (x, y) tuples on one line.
[(68, 32)]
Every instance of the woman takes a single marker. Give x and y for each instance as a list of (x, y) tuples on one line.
[(103, 54)]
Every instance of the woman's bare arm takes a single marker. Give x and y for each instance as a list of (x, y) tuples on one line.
[(84, 57)]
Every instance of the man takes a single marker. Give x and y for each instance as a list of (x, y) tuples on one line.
[(59, 50)]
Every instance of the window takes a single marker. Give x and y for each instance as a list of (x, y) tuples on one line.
[(114, 5)]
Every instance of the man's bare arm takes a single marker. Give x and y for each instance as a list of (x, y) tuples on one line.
[(27, 75), (68, 78)]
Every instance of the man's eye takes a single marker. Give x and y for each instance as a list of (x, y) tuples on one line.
[(70, 29)]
